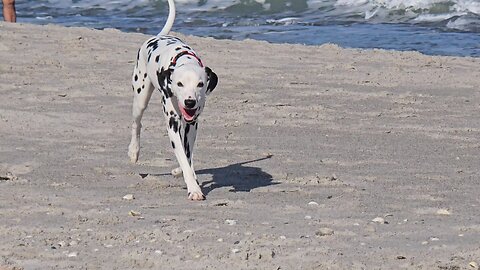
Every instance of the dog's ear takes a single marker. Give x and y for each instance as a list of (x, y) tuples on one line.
[(212, 80), (164, 80)]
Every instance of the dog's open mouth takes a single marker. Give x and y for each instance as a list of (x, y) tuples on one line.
[(188, 114)]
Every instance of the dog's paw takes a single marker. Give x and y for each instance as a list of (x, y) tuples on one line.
[(196, 196), (133, 151), (177, 172)]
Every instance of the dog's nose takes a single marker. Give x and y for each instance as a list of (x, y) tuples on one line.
[(190, 103)]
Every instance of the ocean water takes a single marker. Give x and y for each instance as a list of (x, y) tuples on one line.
[(435, 27)]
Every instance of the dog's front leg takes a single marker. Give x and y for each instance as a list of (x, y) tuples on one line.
[(174, 133), (189, 137)]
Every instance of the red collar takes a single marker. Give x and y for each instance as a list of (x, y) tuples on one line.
[(174, 61)]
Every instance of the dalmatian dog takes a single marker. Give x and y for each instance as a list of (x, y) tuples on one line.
[(168, 64)]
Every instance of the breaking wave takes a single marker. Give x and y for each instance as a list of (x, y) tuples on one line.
[(373, 23)]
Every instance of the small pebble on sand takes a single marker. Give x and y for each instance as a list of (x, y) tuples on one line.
[(379, 220), (443, 212), (72, 254), (134, 213), (230, 222), (324, 231), (128, 197)]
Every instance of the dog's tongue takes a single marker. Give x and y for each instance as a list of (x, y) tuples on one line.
[(187, 114)]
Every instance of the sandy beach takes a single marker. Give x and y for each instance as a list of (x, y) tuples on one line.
[(311, 157)]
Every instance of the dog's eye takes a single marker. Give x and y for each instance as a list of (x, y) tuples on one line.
[(200, 84), (180, 84)]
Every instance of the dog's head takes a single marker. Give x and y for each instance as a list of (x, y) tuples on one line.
[(190, 84)]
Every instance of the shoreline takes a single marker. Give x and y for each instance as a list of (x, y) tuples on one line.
[(311, 157), (473, 53)]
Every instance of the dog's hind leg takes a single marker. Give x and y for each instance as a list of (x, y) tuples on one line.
[(142, 88)]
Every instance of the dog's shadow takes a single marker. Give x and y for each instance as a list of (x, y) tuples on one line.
[(238, 176)]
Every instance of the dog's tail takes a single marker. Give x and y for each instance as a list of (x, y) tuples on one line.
[(171, 17)]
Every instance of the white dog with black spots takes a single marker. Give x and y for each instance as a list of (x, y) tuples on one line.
[(166, 63)]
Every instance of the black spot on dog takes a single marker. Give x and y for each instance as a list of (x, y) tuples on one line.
[(187, 152), (172, 113), (145, 75), (168, 92), (157, 58), (188, 57), (152, 44), (143, 86), (136, 77), (164, 76), (138, 57), (173, 124), (187, 129), (187, 47), (139, 90), (178, 48), (173, 145), (186, 144)]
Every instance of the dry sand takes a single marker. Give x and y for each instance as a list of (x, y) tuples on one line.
[(311, 157)]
